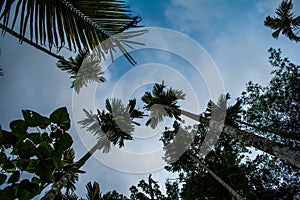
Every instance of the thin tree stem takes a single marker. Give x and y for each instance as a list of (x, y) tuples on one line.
[(223, 183)]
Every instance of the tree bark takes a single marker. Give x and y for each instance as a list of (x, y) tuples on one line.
[(57, 187), (223, 183), (287, 153), (282, 133)]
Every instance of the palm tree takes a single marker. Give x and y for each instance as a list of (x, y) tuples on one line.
[(163, 103), (93, 191), (84, 68), (112, 126), (76, 25), (285, 22)]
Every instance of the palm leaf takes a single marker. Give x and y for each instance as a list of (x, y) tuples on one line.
[(285, 22), (93, 191), (83, 68), (114, 125), (77, 25), (69, 196), (161, 103)]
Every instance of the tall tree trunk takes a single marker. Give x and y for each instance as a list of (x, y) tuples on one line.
[(57, 187), (287, 153), (283, 133), (223, 183)]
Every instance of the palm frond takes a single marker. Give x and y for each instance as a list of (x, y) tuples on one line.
[(93, 191), (285, 22), (114, 125), (133, 112), (77, 25), (84, 69), (68, 160), (161, 103), (69, 196)]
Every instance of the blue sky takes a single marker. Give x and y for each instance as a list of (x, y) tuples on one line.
[(231, 32)]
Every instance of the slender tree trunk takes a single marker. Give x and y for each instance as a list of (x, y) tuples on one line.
[(223, 183), (150, 188), (57, 187), (287, 153)]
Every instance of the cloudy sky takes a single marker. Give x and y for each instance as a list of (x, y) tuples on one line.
[(198, 46)]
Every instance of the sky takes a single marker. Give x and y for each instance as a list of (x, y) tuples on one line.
[(225, 39)]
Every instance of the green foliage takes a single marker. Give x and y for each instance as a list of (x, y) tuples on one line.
[(285, 22), (84, 68), (114, 125), (41, 155), (93, 191), (151, 190), (162, 103), (261, 178), (276, 106), (33, 119), (81, 25), (61, 118)]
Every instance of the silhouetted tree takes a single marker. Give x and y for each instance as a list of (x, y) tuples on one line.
[(285, 22)]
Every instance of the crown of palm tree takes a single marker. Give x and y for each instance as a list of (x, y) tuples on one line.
[(74, 24), (162, 102), (114, 125), (285, 22), (93, 191), (84, 68)]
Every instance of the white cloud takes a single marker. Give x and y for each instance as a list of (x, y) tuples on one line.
[(194, 15), (237, 40)]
